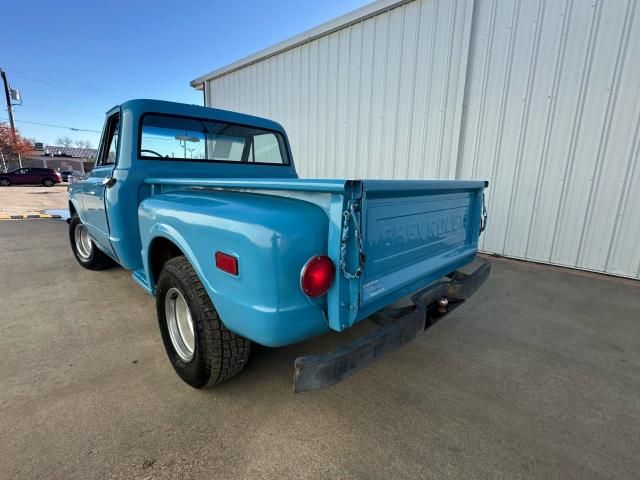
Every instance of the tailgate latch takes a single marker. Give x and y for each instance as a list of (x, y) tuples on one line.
[(483, 216), (351, 214)]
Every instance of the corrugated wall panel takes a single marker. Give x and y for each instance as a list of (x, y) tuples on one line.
[(380, 98), (552, 121), (613, 157), (540, 97)]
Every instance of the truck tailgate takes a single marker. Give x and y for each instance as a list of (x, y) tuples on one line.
[(413, 232)]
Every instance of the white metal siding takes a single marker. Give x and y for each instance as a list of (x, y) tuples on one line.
[(381, 98), (552, 120), (541, 97)]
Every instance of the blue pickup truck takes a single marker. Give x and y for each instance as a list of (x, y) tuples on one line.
[(206, 209)]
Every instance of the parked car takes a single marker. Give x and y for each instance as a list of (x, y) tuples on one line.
[(30, 176), (65, 174), (75, 176), (206, 209)]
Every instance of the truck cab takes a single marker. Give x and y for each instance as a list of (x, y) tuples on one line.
[(206, 209)]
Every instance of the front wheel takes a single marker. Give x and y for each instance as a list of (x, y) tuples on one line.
[(202, 351), (5, 182), (47, 182), (85, 251)]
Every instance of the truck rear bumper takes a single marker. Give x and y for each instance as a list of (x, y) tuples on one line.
[(397, 327)]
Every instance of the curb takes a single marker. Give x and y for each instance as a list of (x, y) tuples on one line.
[(22, 217)]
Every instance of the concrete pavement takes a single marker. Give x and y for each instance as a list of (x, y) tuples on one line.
[(31, 200), (537, 376)]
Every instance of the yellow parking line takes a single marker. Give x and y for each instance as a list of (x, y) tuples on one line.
[(27, 216)]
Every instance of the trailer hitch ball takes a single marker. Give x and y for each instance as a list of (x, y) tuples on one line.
[(442, 303)]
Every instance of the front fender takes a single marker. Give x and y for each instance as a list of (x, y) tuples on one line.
[(272, 237), (74, 205)]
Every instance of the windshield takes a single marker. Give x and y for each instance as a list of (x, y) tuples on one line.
[(186, 138)]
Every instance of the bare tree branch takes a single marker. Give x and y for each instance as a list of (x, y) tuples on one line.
[(64, 141)]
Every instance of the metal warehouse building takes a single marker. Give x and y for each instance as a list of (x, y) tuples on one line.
[(540, 97)]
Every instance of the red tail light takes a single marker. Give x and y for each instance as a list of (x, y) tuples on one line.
[(317, 276), (227, 263)]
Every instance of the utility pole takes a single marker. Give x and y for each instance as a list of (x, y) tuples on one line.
[(8, 98)]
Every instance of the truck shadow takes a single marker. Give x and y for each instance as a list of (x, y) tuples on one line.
[(270, 367)]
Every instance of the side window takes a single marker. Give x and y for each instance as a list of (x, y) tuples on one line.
[(266, 149), (109, 148)]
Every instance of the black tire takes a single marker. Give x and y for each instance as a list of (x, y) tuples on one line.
[(97, 260), (219, 354), (5, 182), (47, 182)]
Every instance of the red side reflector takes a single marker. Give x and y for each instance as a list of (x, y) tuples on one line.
[(227, 263), (317, 276)]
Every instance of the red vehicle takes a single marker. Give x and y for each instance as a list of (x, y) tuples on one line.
[(31, 176)]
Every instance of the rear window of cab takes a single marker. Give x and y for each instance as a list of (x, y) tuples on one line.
[(168, 137)]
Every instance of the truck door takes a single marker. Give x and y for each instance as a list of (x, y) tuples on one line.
[(96, 183)]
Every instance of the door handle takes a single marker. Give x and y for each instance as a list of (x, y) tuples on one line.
[(108, 181)]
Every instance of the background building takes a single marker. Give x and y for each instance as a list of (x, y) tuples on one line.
[(63, 158), (540, 97)]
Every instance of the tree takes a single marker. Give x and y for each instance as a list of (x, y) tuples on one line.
[(64, 141), (12, 146), (83, 144)]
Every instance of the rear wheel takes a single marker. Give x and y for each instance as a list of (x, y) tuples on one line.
[(47, 182), (85, 251), (202, 351), (5, 182)]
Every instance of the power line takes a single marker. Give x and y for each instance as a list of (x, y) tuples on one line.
[(60, 85), (82, 129), (31, 107), (64, 83), (75, 129)]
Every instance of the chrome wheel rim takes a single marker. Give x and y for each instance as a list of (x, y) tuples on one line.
[(84, 245), (48, 183), (4, 182), (179, 324)]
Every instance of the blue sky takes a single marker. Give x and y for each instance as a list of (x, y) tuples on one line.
[(73, 60)]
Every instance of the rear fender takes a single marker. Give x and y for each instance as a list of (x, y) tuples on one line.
[(272, 237), (169, 233)]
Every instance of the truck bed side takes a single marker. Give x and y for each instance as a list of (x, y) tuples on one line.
[(272, 238), (387, 239)]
